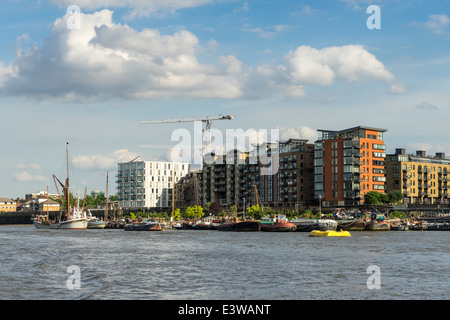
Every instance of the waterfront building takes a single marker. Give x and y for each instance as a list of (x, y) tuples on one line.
[(7, 205), (349, 163), (50, 205), (188, 191), (422, 179), (148, 184), (244, 178)]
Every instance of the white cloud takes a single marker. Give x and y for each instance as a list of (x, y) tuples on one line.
[(436, 23), (242, 8), (100, 161), (34, 166), (310, 66), (25, 176), (300, 132), (104, 59), (268, 31), (397, 88), (139, 8)]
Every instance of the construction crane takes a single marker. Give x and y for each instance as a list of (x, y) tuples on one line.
[(208, 120)]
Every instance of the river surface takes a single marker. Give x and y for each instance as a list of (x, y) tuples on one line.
[(213, 265)]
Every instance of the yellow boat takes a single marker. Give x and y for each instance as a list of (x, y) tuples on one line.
[(330, 233)]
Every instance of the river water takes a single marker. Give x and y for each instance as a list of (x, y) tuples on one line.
[(213, 265)]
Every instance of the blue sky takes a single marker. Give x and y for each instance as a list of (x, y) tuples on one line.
[(297, 66)]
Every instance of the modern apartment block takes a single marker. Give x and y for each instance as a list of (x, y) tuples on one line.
[(188, 191), (244, 179), (347, 164), (148, 184), (422, 179)]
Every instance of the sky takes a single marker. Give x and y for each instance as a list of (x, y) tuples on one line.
[(87, 75)]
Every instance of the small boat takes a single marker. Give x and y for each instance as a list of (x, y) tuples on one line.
[(352, 225), (95, 223), (144, 226), (400, 227), (41, 222), (377, 226), (330, 233), (308, 225), (280, 225), (179, 226), (201, 225)]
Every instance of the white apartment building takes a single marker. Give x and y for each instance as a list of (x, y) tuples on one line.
[(148, 184)]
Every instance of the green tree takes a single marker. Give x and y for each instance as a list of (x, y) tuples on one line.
[(395, 196), (193, 212), (255, 212), (384, 198), (176, 214), (372, 197)]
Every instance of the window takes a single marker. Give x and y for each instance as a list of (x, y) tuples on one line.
[(379, 146), (379, 154), (380, 136)]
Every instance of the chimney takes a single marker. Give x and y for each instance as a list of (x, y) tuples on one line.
[(400, 151), (421, 153)]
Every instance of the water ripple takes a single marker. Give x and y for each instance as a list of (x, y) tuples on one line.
[(193, 264)]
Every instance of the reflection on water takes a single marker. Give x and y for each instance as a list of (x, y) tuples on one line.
[(196, 264)]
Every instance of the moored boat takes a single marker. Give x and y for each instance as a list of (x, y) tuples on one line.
[(77, 218), (280, 225), (72, 223), (227, 226), (95, 223), (201, 225), (41, 222), (179, 225), (144, 226), (248, 226), (377, 226), (351, 225), (400, 227), (308, 225)]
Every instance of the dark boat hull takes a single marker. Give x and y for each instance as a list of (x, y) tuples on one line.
[(144, 227), (248, 226), (321, 225), (227, 226), (377, 226), (278, 227), (355, 225)]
